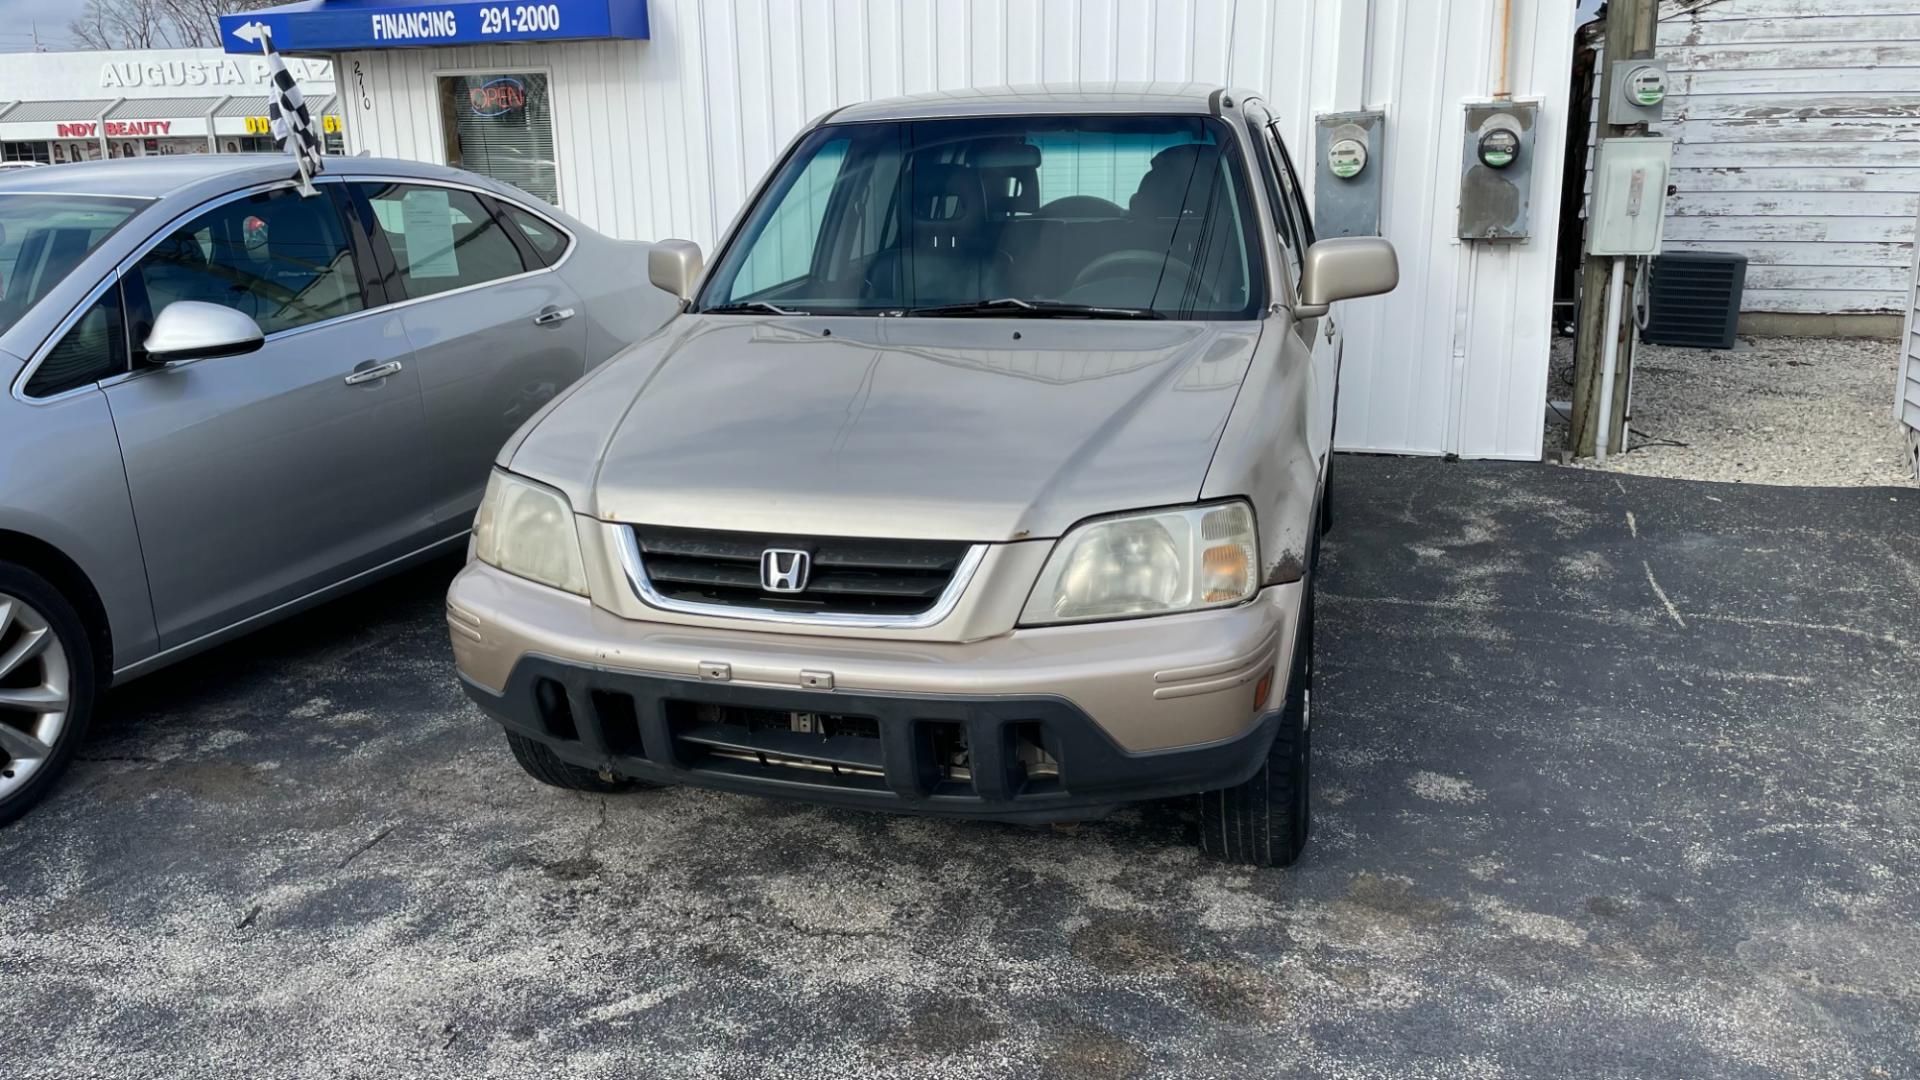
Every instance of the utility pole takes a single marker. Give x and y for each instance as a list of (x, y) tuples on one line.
[(1632, 26)]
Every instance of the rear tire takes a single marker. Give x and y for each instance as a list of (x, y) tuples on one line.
[(1265, 821), (48, 687), (545, 766)]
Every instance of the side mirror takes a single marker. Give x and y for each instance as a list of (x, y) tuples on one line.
[(674, 266), (192, 330), (1343, 270)]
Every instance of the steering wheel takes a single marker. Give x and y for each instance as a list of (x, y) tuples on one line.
[(1134, 262)]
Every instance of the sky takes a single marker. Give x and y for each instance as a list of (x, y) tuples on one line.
[(52, 15)]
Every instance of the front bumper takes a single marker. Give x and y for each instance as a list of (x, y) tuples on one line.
[(653, 728), (1127, 710)]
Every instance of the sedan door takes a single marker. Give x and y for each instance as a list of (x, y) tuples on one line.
[(495, 333), (260, 478)]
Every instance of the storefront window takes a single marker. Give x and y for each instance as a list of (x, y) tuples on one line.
[(501, 126), (25, 151)]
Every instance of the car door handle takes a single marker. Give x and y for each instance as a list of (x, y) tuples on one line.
[(552, 314), (367, 371)]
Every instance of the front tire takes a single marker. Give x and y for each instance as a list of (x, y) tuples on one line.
[(1265, 821), (545, 766), (48, 686)]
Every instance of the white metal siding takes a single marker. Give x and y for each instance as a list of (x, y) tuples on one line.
[(1798, 128), (665, 137)]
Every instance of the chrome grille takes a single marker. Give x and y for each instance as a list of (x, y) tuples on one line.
[(849, 576)]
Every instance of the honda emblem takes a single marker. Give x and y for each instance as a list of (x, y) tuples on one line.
[(784, 570)]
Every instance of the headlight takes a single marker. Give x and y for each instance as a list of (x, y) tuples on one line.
[(1149, 564), (527, 529)]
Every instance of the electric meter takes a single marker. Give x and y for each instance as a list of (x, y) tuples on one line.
[(1496, 170), (1647, 85), (1639, 92), (1499, 148), (1346, 158), (1350, 167)]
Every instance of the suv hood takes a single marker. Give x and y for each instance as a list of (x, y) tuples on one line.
[(959, 429)]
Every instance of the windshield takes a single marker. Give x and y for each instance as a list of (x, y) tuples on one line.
[(1026, 216), (43, 237)]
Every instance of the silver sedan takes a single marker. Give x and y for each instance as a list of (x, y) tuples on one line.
[(225, 401)]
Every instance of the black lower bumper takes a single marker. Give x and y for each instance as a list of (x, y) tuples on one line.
[(877, 751)]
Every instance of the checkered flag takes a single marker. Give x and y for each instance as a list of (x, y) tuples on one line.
[(293, 128)]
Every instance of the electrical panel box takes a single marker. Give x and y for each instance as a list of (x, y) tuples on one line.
[(1639, 92), (1350, 163), (1629, 211), (1496, 174)]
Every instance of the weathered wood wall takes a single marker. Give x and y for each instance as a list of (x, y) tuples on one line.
[(1798, 124), (1906, 402)]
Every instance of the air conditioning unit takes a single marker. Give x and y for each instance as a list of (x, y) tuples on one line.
[(1694, 299)]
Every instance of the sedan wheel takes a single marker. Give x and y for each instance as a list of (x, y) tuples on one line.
[(36, 692), (47, 687)]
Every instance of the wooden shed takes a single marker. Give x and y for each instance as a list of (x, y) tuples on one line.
[(1798, 129)]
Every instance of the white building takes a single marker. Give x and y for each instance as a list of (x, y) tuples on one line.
[(75, 106), (1798, 130), (654, 118)]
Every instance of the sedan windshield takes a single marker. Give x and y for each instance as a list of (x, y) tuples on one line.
[(43, 237), (1095, 217)]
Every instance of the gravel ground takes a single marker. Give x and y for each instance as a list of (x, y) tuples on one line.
[(1615, 777), (1775, 411)]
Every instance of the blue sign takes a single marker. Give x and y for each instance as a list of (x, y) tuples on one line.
[(314, 26)]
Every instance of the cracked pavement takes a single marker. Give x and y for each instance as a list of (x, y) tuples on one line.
[(1615, 777)]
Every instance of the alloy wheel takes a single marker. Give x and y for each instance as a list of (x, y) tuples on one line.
[(36, 691)]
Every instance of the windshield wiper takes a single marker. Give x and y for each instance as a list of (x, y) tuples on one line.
[(1012, 307), (751, 305)]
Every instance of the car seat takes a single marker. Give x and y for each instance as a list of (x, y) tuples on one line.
[(949, 256)]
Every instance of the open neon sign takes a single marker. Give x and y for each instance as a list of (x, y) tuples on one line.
[(497, 97)]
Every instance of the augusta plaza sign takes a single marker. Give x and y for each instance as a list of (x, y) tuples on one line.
[(207, 69)]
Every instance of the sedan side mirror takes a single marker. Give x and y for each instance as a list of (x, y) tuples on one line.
[(674, 266), (1343, 270), (193, 330)]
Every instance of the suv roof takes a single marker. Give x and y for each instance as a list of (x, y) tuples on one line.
[(1058, 98)]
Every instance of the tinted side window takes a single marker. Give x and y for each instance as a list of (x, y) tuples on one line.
[(442, 238), (1285, 210), (93, 348), (547, 239), (279, 258), (1296, 194)]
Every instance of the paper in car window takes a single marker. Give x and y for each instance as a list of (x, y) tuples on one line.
[(427, 220)]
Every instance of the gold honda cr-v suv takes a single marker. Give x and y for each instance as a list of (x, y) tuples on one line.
[(981, 474)]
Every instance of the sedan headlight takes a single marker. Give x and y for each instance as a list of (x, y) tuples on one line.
[(1149, 564), (527, 529)]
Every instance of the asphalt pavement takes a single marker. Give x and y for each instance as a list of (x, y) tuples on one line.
[(1616, 777)]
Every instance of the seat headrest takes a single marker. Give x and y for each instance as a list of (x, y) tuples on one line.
[(947, 195), (1004, 154), (181, 249), (1179, 178)]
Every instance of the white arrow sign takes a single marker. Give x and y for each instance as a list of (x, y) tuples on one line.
[(251, 33)]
